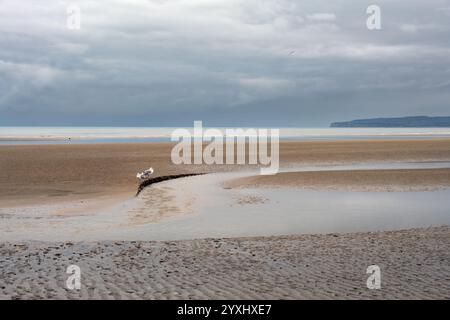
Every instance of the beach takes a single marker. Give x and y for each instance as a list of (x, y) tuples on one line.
[(206, 150), (231, 233)]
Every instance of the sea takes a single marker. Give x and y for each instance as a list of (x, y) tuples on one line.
[(82, 135)]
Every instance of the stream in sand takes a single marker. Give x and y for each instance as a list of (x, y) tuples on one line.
[(199, 207)]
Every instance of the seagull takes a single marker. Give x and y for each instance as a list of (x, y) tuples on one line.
[(145, 175)]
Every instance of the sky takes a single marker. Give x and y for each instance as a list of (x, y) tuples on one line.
[(226, 62)]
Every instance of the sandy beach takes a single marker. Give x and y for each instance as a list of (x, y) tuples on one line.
[(76, 204)]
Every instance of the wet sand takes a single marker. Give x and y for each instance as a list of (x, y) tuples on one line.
[(414, 265), (352, 180)]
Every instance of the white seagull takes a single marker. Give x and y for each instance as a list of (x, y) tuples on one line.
[(145, 175)]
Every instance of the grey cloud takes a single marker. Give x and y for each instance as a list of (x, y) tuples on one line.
[(227, 62)]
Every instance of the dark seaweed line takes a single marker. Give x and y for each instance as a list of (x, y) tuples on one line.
[(149, 182)]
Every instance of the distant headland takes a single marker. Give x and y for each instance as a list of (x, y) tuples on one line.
[(403, 122)]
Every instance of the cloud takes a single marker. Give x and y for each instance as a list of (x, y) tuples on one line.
[(264, 83), (409, 28), (167, 62), (321, 17), (72, 48), (37, 75)]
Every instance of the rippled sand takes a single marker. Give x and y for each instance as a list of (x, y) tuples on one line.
[(414, 265)]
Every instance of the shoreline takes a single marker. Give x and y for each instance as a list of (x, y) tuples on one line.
[(200, 207)]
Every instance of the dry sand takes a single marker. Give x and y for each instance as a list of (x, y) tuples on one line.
[(414, 265), (352, 180), (49, 173)]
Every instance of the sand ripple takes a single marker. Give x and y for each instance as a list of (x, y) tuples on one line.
[(414, 264)]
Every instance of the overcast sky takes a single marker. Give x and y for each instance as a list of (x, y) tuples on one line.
[(226, 62)]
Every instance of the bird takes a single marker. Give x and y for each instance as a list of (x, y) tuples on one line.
[(145, 174)]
